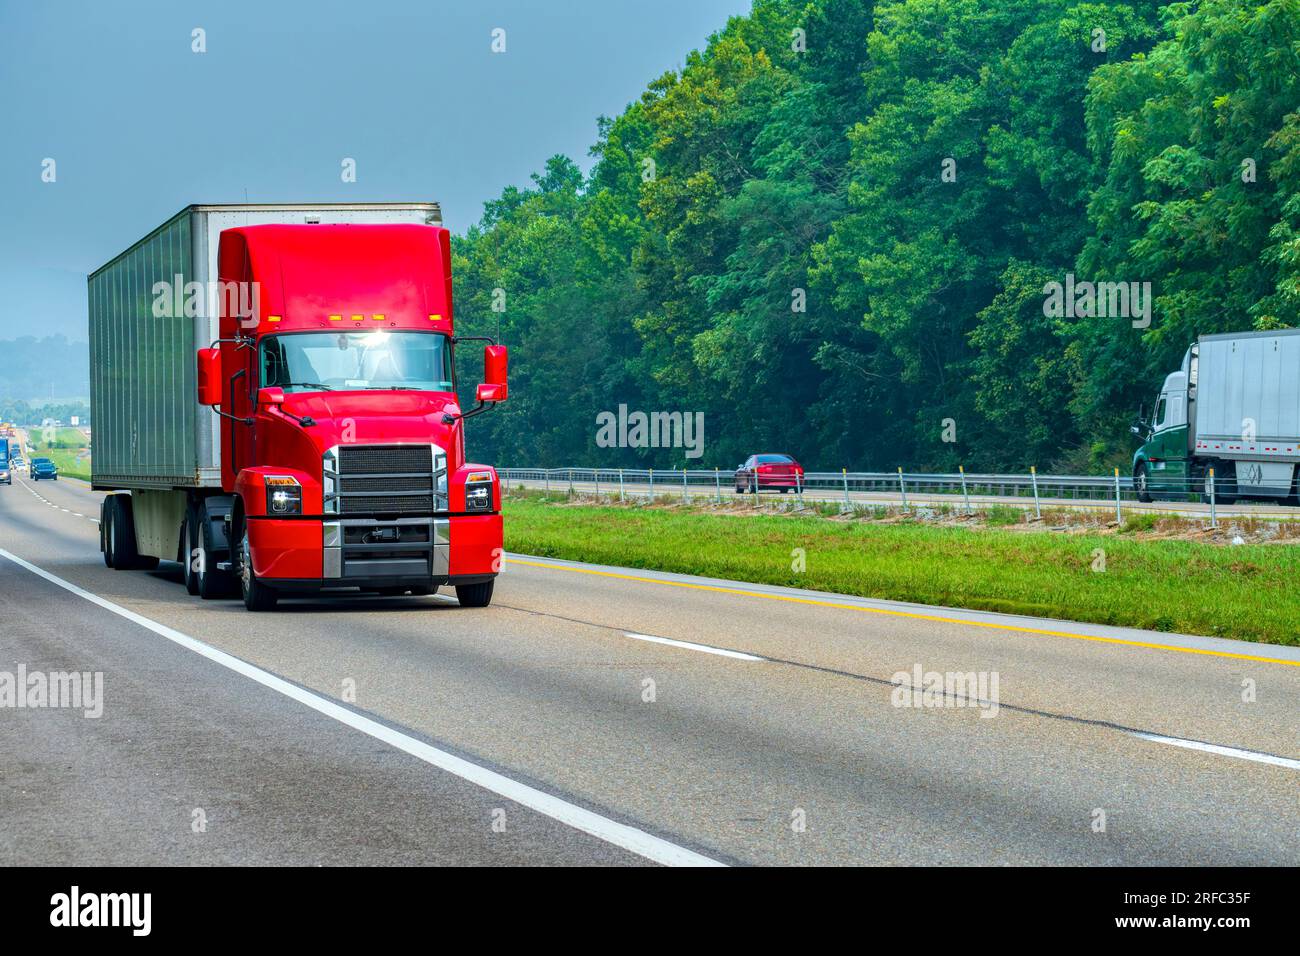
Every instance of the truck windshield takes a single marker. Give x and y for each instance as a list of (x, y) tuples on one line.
[(327, 361)]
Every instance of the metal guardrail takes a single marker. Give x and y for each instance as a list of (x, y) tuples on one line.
[(972, 490)]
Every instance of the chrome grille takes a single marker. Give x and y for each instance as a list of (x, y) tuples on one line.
[(385, 479)]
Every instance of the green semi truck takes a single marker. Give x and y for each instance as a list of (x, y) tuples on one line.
[(1230, 416)]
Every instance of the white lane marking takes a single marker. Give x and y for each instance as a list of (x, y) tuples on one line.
[(619, 834), (1221, 750), (721, 652), (41, 497)]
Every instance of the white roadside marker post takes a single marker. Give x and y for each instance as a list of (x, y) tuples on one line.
[(1214, 515), (1033, 477)]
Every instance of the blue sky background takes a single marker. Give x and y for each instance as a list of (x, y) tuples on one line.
[(140, 126)]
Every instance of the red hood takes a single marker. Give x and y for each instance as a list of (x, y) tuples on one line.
[(370, 418)]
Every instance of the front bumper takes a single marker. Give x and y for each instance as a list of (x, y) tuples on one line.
[(367, 552)]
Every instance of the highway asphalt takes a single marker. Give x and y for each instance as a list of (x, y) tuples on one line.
[(610, 716)]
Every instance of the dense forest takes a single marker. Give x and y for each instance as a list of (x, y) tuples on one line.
[(834, 229)]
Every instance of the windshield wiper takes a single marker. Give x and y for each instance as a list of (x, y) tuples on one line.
[(328, 388)]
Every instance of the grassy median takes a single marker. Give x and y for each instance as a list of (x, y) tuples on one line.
[(68, 448), (1246, 591)]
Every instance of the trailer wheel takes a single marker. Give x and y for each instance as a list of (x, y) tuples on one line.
[(121, 550), (1142, 482), (105, 517), (475, 595), (257, 596), (188, 544)]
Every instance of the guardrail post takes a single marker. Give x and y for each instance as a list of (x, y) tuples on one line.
[(686, 495), (1119, 517), (1214, 514), (1033, 477), (964, 494), (570, 481), (902, 487), (798, 487), (717, 481), (596, 475), (845, 473), (652, 486), (620, 484), (548, 482)]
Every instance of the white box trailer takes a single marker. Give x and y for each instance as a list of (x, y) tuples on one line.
[(150, 431), (1234, 407)]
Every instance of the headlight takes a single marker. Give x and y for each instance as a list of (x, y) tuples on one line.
[(283, 496), (478, 491)]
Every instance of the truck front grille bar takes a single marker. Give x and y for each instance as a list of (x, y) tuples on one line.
[(393, 479)]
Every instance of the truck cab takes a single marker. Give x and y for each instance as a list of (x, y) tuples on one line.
[(342, 441), (283, 416), (1163, 464)]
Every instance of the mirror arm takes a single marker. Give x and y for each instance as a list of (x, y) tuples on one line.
[(448, 419), (233, 418), (305, 421)]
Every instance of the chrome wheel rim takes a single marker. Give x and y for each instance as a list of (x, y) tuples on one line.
[(245, 564)]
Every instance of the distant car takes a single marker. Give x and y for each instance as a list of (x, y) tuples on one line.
[(44, 468), (20, 464), (6, 476), (777, 472)]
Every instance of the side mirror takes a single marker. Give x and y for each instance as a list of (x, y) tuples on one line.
[(1136, 430), (496, 363), (208, 378), (271, 395)]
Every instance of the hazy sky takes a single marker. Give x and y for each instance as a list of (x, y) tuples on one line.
[(140, 126)]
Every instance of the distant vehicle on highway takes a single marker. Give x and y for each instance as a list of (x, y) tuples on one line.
[(777, 472), (44, 468), (20, 464), (1233, 407), (6, 475)]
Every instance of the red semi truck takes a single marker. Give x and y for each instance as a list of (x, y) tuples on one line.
[(292, 427)]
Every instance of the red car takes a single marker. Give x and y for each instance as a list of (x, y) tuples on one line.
[(778, 472)]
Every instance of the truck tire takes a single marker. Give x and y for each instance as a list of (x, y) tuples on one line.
[(121, 554), (475, 595), (1142, 483), (257, 596), (104, 519), (212, 583), (189, 537)]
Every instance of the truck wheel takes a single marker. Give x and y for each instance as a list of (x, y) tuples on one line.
[(121, 554), (257, 596), (105, 518), (212, 583), (475, 595), (1142, 482), (188, 545)]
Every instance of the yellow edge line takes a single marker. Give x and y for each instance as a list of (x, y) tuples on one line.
[(911, 614)]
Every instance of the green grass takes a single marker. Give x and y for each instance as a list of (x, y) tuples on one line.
[(65, 452), (1245, 592)]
